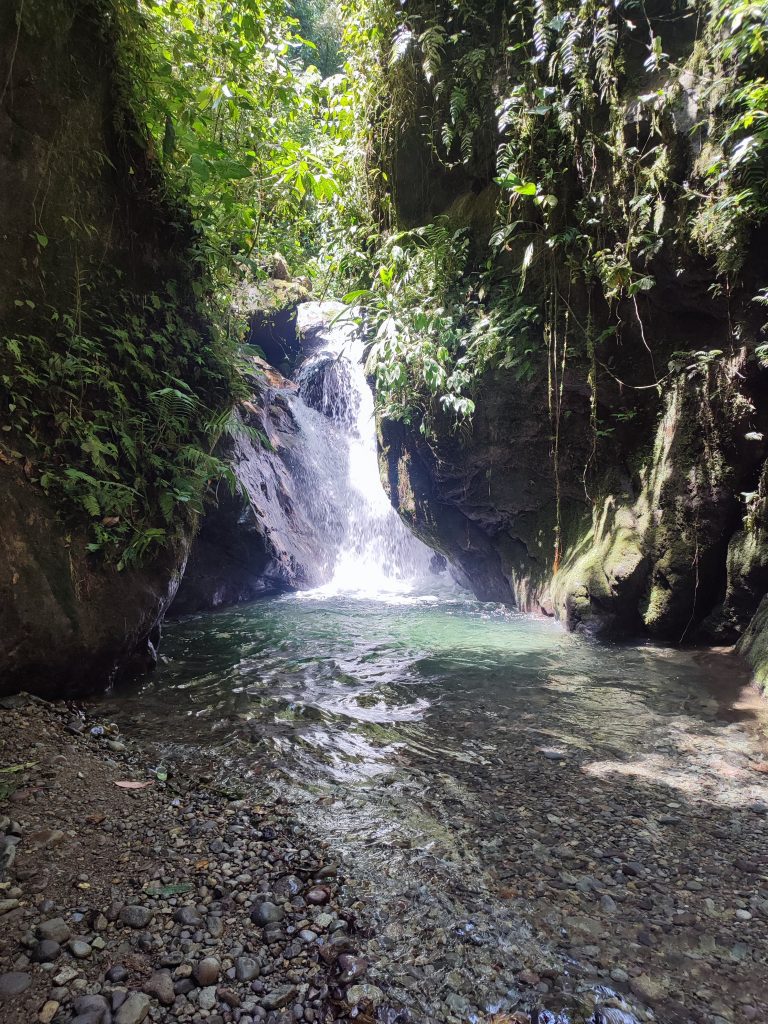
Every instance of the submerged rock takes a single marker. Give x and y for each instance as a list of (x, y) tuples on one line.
[(364, 993)]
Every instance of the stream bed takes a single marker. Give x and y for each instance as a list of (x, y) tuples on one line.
[(528, 819)]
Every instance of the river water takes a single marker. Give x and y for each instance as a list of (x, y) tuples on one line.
[(528, 819), (477, 768)]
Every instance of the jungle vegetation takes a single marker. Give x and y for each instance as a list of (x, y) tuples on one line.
[(276, 126)]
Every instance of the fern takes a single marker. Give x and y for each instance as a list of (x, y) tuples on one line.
[(431, 42), (541, 19), (173, 403), (91, 504), (458, 103)]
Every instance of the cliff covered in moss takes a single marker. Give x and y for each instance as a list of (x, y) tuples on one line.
[(111, 377), (578, 416)]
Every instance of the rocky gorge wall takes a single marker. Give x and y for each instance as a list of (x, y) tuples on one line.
[(257, 539), (110, 369), (613, 470), (76, 197), (279, 528)]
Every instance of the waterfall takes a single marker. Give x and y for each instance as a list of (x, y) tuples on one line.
[(363, 546)]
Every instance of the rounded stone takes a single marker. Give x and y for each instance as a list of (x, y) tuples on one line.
[(46, 951), (267, 913), (48, 1011), (246, 968), (228, 996), (134, 1010), (287, 886), (91, 1004), (79, 949), (351, 967), (318, 896), (207, 971), (160, 985), (135, 916), (188, 916), (14, 983), (207, 998), (56, 929)]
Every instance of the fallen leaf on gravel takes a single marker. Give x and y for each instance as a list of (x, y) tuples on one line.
[(762, 767), (130, 784), (169, 890), (17, 768)]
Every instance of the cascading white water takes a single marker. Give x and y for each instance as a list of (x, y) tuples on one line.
[(367, 549)]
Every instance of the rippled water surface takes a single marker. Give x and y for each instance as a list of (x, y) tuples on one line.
[(440, 744)]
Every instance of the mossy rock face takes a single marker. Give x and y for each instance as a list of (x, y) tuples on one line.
[(649, 553), (598, 590), (68, 624), (746, 583), (615, 434), (753, 646)]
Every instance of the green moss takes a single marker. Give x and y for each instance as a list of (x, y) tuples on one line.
[(753, 646), (603, 571)]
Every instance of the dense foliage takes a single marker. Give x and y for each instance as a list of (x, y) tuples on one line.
[(601, 135), (235, 111), (114, 395), (116, 413)]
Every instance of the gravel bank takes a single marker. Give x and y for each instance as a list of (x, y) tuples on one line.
[(170, 902)]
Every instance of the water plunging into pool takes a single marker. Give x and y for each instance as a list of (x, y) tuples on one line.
[(372, 552), (524, 814)]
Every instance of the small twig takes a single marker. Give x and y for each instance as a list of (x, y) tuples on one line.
[(15, 51), (642, 333), (636, 387)]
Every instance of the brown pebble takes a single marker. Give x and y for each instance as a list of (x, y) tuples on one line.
[(48, 1011), (226, 995), (318, 895)]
